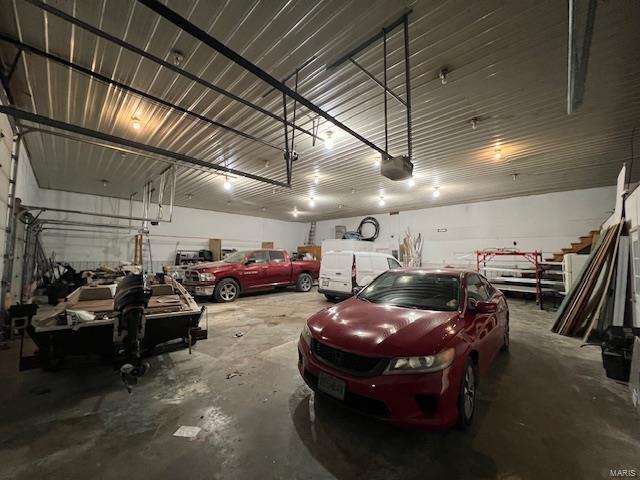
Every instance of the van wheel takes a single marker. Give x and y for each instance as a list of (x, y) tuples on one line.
[(467, 395), (226, 291), (304, 283)]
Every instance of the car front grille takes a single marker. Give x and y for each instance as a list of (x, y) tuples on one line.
[(191, 276), (353, 364), (366, 405)]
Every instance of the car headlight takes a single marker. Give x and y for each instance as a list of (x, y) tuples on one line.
[(206, 277), (430, 363), (306, 334)]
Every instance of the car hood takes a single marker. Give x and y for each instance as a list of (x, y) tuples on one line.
[(373, 329), (214, 266)]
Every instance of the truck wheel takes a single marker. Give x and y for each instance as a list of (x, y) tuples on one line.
[(226, 290), (304, 283)]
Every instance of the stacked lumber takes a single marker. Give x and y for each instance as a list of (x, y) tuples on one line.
[(586, 305), (412, 247)]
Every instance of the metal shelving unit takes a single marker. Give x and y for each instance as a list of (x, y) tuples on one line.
[(532, 262)]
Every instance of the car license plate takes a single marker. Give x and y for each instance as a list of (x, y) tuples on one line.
[(325, 282), (331, 385)]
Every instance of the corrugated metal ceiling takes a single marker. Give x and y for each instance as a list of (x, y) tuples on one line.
[(507, 63)]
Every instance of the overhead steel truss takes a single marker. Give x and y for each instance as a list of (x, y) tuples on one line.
[(50, 122), (185, 25), (382, 35)]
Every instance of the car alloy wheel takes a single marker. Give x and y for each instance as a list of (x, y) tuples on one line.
[(505, 338), (469, 391), (228, 292), (306, 284)]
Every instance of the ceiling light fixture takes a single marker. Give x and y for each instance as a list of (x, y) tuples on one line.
[(340, 206), (227, 184), (474, 123), (316, 179), (189, 196), (135, 122), (312, 201), (295, 211), (178, 57), (436, 192), (328, 141), (381, 201), (498, 154), (411, 182), (442, 75), (105, 183)]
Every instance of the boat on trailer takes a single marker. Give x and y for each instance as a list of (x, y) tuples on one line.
[(87, 321)]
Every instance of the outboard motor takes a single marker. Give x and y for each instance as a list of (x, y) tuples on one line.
[(130, 300)]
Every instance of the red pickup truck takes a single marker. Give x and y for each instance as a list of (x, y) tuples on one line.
[(250, 271)]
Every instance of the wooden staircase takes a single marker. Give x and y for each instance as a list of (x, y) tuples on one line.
[(582, 246)]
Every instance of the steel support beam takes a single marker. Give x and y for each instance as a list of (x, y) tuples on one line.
[(364, 45), (130, 89), (199, 34), (50, 122), (378, 82), (138, 51)]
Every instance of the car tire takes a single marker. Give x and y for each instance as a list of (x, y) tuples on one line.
[(505, 338), (331, 298), (226, 291), (467, 395), (304, 283)]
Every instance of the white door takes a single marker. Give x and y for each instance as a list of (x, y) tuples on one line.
[(335, 272), (635, 269)]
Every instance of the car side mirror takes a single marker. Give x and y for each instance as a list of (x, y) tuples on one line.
[(356, 290), (486, 307)]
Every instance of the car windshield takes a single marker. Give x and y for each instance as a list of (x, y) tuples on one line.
[(235, 257), (425, 291)]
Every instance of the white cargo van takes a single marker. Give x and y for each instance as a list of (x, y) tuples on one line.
[(341, 271)]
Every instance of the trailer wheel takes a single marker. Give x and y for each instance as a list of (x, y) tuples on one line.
[(226, 290), (304, 283)]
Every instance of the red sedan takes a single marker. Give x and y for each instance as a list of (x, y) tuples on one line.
[(409, 347)]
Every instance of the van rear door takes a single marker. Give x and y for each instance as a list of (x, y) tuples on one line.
[(335, 272)]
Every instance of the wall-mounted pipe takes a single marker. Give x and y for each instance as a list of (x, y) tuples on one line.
[(92, 214)]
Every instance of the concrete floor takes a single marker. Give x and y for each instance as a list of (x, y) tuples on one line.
[(546, 410)]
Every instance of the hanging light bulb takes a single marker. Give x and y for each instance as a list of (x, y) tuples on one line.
[(295, 211), (436, 192), (227, 184), (411, 182), (135, 122), (328, 141), (498, 154), (312, 201), (316, 179), (381, 201)]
